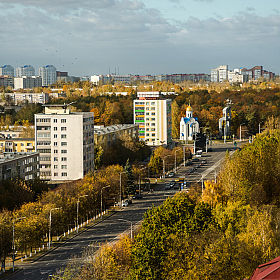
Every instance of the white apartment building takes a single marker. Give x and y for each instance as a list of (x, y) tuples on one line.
[(7, 70), (24, 165), (65, 141), (25, 82), (153, 115), (48, 74), (26, 70), (219, 74), (19, 98)]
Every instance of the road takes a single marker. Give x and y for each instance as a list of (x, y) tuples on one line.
[(109, 229)]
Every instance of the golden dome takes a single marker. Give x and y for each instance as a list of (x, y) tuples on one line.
[(189, 109)]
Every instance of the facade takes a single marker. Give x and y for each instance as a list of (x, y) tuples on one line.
[(7, 81), (65, 141), (19, 145), (219, 74), (257, 72), (153, 115), (26, 70), (48, 75), (27, 82), (24, 165), (19, 98), (107, 135), (7, 70), (178, 78), (189, 125)]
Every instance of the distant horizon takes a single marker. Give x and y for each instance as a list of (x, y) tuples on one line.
[(113, 73)]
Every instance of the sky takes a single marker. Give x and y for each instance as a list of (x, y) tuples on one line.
[(140, 37)]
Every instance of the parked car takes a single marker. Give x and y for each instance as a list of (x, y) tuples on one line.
[(189, 163), (125, 203), (195, 159), (171, 184), (138, 196)]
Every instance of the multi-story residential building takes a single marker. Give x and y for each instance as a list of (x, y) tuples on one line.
[(19, 98), (153, 115), (7, 70), (219, 74), (7, 81), (26, 70), (27, 82), (20, 145), (257, 72), (65, 141), (24, 165), (178, 78), (48, 74), (107, 135)]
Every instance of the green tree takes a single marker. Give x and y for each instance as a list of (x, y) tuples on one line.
[(175, 113), (130, 185)]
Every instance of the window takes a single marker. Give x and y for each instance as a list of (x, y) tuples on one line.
[(55, 151), (44, 151), (153, 134), (63, 143), (147, 134), (55, 120), (153, 113), (153, 108), (55, 128), (63, 120), (153, 103), (55, 159), (55, 136), (43, 135), (153, 119), (55, 174), (63, 128), (55, 166), (147, 103), (63, 136), (147, 114), (64, 151), (64, 159), (55, 143), (153, 124), (63, 166), (64, 174)]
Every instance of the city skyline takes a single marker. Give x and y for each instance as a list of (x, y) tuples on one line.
[(140, 37)]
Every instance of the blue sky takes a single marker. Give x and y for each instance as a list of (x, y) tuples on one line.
[(88, 37)]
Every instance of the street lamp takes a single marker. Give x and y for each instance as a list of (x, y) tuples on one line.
[(50, 226), (131, 236), (164, 165), (175, 158), (240, 132), (101, 198), (78, 210), (14, 240), (121, 188)]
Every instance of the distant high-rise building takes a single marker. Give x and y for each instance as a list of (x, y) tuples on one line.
[(26, 70), (153, 115), (7, 70), (48, 74), (219, 74)]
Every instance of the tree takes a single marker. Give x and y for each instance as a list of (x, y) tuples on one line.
[(175, 113), (130, 185)]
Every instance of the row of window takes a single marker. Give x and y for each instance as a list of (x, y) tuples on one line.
[(153, 134), (63, 174), (62, 143), (62, 159), (62, 120), (152, 114), (62, 166), (62, 151), (63, 136), (63, 128), (43, 120)]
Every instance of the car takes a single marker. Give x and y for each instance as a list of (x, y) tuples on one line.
[(204, 161), (189, 163), (167, 187), (209, 149), (138, 196), (195, 159), (125, 203), (171, 174), (171, 184)]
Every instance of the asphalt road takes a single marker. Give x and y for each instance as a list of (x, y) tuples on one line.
[(109, 229)]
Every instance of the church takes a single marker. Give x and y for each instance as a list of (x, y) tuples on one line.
[(188, 125)]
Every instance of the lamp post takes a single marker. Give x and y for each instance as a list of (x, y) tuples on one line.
[(240, 132), (131, 236), (140, 179), (121, 188), (50, 226), (164, 165), (78, 210), (175, 160), (101, 198), (14, 240)]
